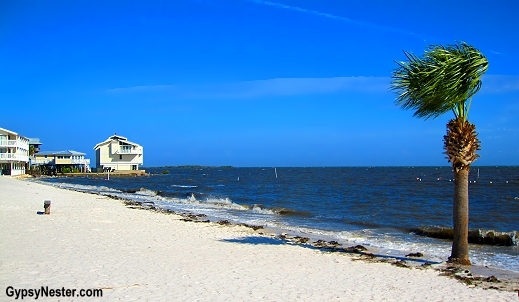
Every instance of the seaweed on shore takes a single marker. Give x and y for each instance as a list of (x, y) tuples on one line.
[(457, 273), (475, 236)]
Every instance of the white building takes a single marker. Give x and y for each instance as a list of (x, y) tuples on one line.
[(14, 152), (74, 160), (118, 154)]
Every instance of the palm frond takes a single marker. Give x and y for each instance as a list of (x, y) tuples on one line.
[(443, 80)]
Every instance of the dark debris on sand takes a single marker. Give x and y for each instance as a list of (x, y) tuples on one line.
[(465, 276), (456, 272)]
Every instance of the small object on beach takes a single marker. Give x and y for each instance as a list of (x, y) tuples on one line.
[(224, 222), (492, 279), (400, 263), (360, 247), (46, 206), (319, 243), (368, 255), (355, 249), (301, 240), (414, 255)]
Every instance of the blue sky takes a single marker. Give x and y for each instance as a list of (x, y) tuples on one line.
[(249, 82)]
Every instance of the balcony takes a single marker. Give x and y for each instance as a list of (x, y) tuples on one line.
[(126, 150), (7, 143), (51, 161), (14, 143), (81, 161), (45, 161), (14, 157)]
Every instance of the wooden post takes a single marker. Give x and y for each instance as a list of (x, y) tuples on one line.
[(46, 206)]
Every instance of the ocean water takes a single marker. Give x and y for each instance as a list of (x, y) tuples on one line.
[(372, 206)]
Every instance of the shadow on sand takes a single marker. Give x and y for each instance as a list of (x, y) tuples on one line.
[(256, 240)]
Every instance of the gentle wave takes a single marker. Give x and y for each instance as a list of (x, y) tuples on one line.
[(258, 208)]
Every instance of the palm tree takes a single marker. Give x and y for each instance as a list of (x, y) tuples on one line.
[(443, 80)]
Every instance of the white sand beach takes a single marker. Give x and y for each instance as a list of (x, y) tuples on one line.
[(95, 242)]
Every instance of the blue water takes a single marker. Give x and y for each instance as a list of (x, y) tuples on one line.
[(375, 206)]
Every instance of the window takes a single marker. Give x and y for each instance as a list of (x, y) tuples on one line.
[(120, 157)]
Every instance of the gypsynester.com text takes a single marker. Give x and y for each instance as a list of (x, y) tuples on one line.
[(45, 291)]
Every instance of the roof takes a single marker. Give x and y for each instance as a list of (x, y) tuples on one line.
[(66, 152), (12, 132), (116, 138), (34, 141), (8, 131)]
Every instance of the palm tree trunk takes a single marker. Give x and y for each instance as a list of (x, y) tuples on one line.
[(461, 144), (460, 244)]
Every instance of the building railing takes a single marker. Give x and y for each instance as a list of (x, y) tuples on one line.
[(83, 161), (14, 156), (42, 161), (7, 143), (128, 151), (21, 143)]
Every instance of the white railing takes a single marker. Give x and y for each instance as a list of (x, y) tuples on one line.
[(14, 143), (42, 161), (8, 143), (82, 161), (128, 151), (7, 155), (51, 161), (14, 156)]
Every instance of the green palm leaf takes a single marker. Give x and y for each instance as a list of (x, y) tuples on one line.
[(443, 80)]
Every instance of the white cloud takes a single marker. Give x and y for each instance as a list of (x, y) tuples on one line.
[(331, 16), (265, 88), (297, 87)]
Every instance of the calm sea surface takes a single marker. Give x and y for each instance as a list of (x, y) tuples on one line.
[(375, 206)]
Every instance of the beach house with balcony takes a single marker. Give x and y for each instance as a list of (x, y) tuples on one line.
[(118, 154), (14, 153), (36, 144), (62, 161)]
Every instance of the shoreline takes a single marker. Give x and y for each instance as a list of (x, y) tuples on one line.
[(405, 246), (94, 241), (472, 274)]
